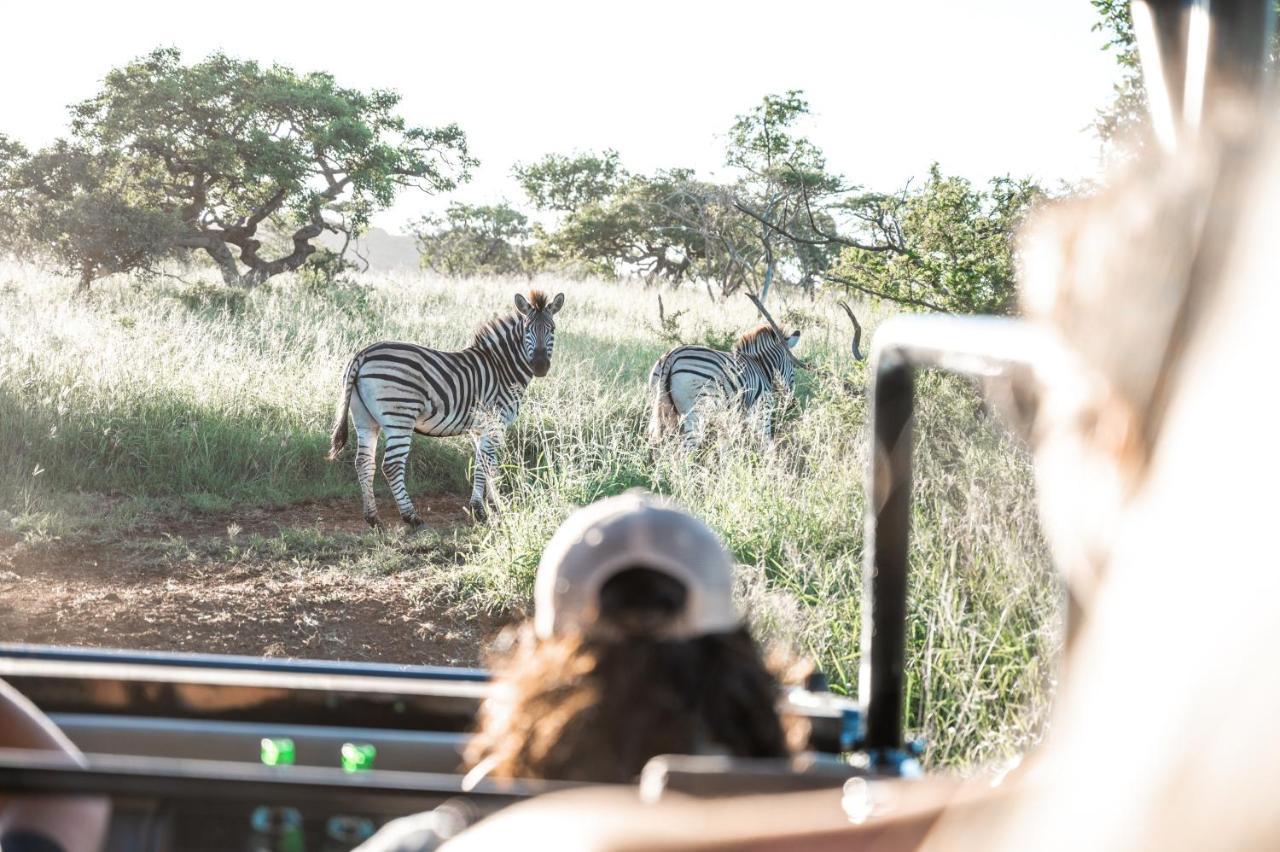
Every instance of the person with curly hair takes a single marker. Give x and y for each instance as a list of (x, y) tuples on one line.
[(636, 649)]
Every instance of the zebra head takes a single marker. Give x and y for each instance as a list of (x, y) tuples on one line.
[(770, 348), (785, 371), (537, 316), (773, 347)]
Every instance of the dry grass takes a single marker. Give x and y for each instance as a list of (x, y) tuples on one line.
[(189, 397)]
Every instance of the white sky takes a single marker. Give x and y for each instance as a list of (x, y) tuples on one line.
[(986, 87)]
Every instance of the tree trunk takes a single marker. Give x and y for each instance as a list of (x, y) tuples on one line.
[(216, 249), (770, 263), (768, 279), (86, 279), (259, 270), (302, 249), (221, 255)]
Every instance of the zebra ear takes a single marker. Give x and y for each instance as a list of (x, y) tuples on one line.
[(556, 304), (522, 305), (793, 340)]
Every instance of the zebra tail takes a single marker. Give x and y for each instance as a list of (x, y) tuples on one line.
[(665, 419), (338, 439)]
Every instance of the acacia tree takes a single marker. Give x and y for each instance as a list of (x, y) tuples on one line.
[(944, 246), (565, 183), (476, 240), (669, 225), (225, 147), (782, 175), (610, 220), (70, 205)]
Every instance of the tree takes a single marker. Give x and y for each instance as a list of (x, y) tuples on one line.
[(223, 147), (671, 225), (783, 218), (70, 205), (646, 225), (943, 246), (565, 183), (12, 156), (1126, 115), (782, 174), (612, 221), (476, 240)]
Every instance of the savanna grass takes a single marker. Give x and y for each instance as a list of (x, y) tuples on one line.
[(180, 397)]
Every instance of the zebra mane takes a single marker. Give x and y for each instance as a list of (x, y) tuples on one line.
[(538, 299), (753, 341), (492, 332), (489, 333)]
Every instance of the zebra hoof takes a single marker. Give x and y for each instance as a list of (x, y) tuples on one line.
[(478, 511), (414, 523), (373, 522)]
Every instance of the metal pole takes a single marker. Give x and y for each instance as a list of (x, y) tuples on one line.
[(884, 591), (972, 346)]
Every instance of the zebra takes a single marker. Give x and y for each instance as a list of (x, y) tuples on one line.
[(402, 388), (687, 378)]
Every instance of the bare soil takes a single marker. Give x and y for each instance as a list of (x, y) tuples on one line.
[(129, 590)]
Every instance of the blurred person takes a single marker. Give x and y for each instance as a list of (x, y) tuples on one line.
[(1155, 464)]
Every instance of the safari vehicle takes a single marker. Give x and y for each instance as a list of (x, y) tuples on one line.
[(179, 741)]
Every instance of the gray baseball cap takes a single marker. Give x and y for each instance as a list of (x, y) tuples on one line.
[(633, 530)]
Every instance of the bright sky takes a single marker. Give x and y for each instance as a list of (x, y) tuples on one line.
[(986, 87)]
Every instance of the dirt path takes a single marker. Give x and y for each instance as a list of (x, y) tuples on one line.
[(145, 589)]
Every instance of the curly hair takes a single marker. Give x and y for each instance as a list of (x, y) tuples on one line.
[(597, 708)]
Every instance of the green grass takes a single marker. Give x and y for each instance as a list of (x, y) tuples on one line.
[(176, 398)]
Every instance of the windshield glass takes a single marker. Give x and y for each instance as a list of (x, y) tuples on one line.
[(312, 333)]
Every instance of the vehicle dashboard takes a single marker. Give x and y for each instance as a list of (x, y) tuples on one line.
[(175, 740)]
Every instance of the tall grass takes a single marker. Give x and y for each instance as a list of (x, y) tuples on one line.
[(194, 396)]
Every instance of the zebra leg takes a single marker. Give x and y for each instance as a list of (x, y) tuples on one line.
[(692, 427), (366, 467), (394, 461), (765, 416), (491, 478), (484, 486)]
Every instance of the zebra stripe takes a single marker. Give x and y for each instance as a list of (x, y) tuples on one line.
[(687, 378), (399, 388)]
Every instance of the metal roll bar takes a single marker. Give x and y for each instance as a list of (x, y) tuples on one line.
[(981, 347)]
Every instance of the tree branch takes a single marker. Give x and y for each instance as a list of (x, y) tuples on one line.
[(879, 294), (826, 239)]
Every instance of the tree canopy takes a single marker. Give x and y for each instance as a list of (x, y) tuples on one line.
[(945, 245), (780, 216), (1126, 116), (565, 183), (476, 240), (610, 219), (248, 165), (217, 150)]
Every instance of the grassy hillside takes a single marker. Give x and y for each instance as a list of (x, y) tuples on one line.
[(184, 397)]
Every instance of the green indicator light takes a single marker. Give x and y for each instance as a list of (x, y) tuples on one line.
[(358, 757), (277, 751)]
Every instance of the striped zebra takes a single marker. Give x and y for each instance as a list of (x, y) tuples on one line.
[(402, 388), (687, 379)]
